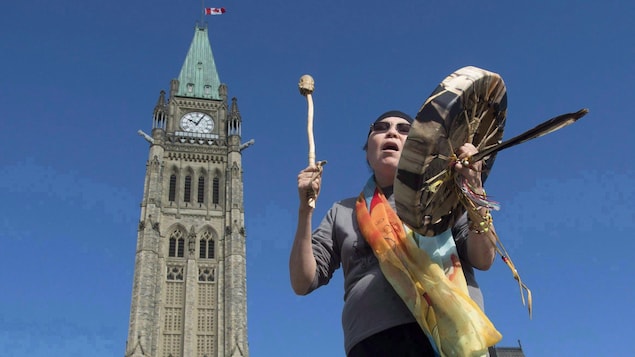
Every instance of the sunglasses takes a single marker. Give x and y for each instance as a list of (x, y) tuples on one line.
[(383, 126)]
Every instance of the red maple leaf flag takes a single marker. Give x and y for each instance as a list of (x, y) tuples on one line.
[(214, 10)]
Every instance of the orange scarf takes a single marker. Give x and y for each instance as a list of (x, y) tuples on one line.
[(439, 302)]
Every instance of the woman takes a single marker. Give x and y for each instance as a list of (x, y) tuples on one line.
[(375, 320)]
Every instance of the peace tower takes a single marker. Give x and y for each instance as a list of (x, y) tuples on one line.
[(189, 296)]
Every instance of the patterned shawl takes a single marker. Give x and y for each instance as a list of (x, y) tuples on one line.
[(427, 276)]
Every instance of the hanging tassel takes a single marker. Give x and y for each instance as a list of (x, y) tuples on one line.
[(478, 199)]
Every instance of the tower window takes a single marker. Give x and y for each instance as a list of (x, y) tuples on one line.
[(210, 249), (208, 89), (188, 187), (176, 244), (190, 87), (203, 249), (206, 246), (172, 191), (201, 189), (215, 191), (172, 252), (181, 248)]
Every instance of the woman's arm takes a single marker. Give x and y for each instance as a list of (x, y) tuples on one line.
[(481, 247), (302, 264)]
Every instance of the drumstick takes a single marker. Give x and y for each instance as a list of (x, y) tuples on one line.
[(306, 86)]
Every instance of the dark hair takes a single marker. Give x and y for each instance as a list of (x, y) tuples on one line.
[(394, 113)]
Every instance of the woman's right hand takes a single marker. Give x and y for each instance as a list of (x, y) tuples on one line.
[(302, 264), (309, 183)]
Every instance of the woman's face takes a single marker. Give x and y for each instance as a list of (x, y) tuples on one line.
[(385, 144)]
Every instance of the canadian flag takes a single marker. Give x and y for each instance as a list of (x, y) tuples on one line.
[(214, 10)]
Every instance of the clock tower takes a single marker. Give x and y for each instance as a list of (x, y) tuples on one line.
[(189, 295)]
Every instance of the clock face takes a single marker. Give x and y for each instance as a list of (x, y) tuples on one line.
[(197, 122)]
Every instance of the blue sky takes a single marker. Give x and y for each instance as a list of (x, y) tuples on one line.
[(79, 78)]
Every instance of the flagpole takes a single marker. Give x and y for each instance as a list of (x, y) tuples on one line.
[(202, 11)]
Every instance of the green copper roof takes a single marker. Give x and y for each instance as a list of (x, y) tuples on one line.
[(198, 77)]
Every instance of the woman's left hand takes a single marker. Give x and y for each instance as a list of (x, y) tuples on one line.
[(471, 172)]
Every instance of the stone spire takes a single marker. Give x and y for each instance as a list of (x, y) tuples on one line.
[(198, 77), (160, 112), (234, 119)]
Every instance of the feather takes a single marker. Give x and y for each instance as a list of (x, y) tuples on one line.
[(545, 128)]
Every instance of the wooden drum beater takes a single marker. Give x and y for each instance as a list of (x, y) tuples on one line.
[(306, 86)]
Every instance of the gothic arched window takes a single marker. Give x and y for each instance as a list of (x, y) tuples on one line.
[(206, 246), (187, 188), (172, 190), (177, 244), (215, 191), (201, 189)]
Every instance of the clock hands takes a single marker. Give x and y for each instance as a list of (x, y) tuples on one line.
[(196, 122), (201, 124), (199, 119)]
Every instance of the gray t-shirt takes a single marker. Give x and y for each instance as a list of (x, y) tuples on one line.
[(371, 304)]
